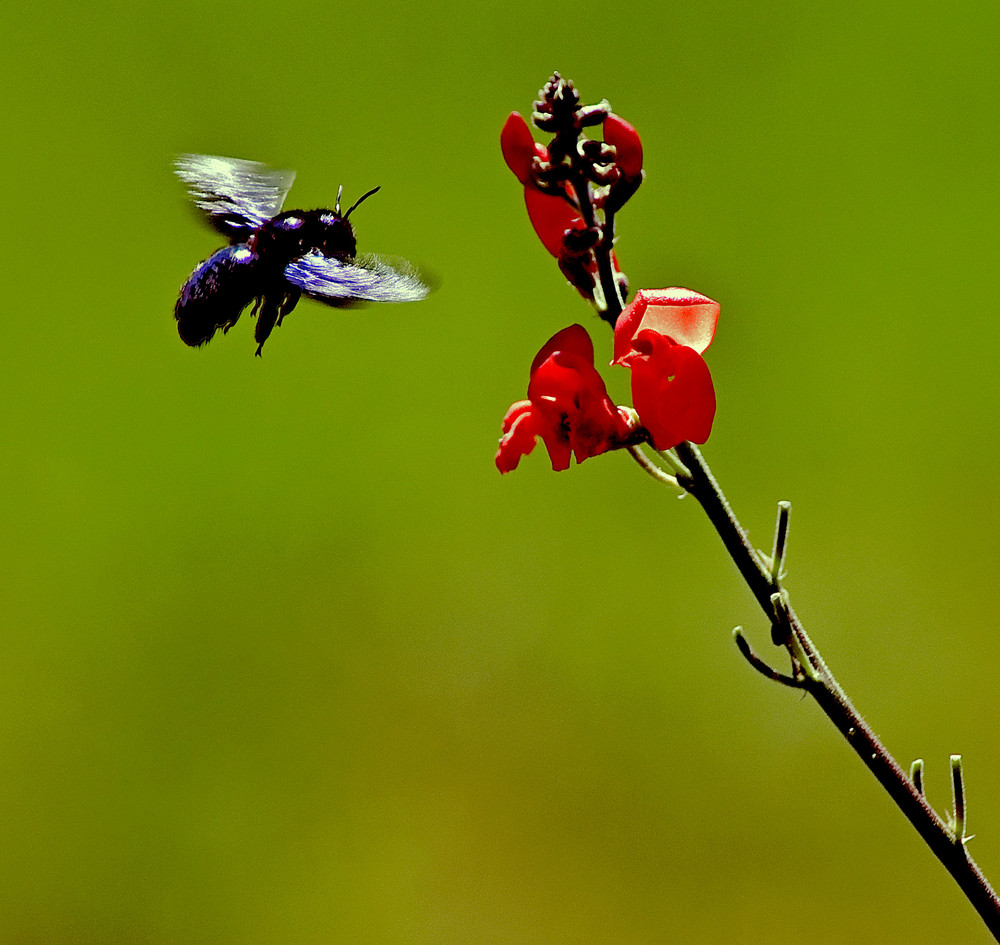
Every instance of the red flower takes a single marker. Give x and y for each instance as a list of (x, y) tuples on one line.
[(567, 406), (660, 337)]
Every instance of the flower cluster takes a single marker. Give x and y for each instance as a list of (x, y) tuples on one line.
[(573, 187), (660, 337)]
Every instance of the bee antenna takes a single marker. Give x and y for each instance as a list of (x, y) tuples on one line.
[(340, 193), (360, 201)]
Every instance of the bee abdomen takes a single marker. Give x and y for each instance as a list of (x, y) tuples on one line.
[(216, 293)]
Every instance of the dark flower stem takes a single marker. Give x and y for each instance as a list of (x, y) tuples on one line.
[(814, 676), (606, 274)]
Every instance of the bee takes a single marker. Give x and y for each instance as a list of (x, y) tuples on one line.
[(275, 256)]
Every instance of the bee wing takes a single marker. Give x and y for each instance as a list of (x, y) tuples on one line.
[(366, 278), (238, 196)]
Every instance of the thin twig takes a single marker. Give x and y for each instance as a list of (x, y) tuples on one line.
[(651, 468), (780, 541), (758, 664), (958, 797), (671, 459)]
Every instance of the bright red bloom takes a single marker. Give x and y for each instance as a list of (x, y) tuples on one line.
[(660, 337), (568, 407)]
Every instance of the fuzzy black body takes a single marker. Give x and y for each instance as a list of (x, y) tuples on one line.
[(216, 294), (273, 257)]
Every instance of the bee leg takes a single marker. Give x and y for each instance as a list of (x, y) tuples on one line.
[(289, 302), (266, 320), (253, 314)]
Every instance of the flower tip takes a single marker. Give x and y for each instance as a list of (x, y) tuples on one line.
[(675, 295)]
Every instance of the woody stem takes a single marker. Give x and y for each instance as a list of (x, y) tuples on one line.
[(824, 688)]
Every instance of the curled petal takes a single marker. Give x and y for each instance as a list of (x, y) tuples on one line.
[(551, 216), (686, 317), (519, 147), (520, 428), (672, 390), (627, 143), (516, 412)]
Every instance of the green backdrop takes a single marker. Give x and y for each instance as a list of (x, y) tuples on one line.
[(286, 660)]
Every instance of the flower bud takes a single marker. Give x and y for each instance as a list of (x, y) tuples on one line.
[(519, 147), (626, 141)]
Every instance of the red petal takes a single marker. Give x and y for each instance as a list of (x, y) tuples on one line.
[(556, 385), (520, 429), (573, 340), (559, 451), (519, 147), (686, 317), (551, 216), (515, 411), (672, 391), (627, 143)]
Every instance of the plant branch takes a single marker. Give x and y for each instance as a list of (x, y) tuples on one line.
[(649, 467), (946, 843), (758, 664)]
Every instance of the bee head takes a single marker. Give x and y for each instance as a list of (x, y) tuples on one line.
[(337, 237)]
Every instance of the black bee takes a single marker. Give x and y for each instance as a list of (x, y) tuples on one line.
[(274, 257)]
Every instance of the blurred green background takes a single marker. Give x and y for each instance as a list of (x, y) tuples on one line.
[(285, 659)]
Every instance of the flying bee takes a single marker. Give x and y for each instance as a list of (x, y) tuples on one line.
[(275, 257)]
